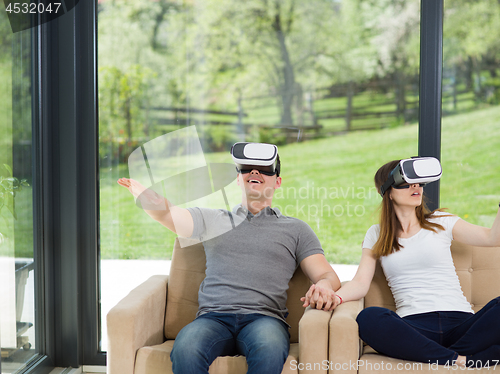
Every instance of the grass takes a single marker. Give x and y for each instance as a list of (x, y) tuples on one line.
[(6, 220), (328, 183), (18, 233)]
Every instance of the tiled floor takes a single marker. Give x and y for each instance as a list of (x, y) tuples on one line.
[(81, 370)]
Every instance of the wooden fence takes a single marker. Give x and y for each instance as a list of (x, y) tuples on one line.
[(323, 112)]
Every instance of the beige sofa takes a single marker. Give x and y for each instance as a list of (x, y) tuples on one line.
[(479, 272), (142, 327)]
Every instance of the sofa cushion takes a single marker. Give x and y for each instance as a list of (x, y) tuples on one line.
[(479, 275), (187, 271), (379, 293), (373, 363), (156, 360)]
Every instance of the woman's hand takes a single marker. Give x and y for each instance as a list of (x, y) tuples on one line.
[(318, 297)]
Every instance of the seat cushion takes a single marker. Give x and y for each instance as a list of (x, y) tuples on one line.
[(374, 363), (156, 360)]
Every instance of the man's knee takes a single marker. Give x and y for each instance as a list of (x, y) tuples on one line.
[(188, 343), (276, 352), (271, 346), (268, 336), (188, 355), (186, 338), (184, 348)]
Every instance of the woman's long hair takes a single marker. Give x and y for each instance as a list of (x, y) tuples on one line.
[(390, 226)]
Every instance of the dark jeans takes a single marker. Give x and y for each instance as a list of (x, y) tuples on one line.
[(263, 340), (435, 337)]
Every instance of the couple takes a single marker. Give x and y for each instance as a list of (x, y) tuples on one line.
[(242, 308)]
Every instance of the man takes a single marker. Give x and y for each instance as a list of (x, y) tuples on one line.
[(252, 253)]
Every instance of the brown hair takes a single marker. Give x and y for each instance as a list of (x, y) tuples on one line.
[(387, 242)]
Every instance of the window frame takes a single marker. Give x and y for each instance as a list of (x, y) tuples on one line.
[(66, 193), (430, 93)]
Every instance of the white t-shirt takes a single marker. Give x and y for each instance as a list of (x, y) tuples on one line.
[(422, 275)]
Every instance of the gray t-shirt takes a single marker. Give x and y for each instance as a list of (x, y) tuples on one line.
[(249, 266)]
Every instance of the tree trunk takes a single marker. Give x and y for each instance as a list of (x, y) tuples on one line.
[(240, 129), (299, 105), (348, 111), (310, 108), (469, 69), (164, 8), (479, 86), (128, 119), (287, 88), (400, 96), (455, 101)]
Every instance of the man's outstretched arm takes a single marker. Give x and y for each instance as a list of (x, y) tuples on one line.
[(177, 220)]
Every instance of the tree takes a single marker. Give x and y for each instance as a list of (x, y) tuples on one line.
[(393, 26), (218, 53), (472, 39), (260, 47), (123, 99)]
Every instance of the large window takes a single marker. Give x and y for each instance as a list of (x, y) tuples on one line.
[(18, 328), (471, 105), (333, 83)]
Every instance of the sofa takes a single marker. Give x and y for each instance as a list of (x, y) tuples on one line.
[(479, 272), (142, 327)]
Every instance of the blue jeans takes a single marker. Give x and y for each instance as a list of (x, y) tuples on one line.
[(263, 340), (435, 337)]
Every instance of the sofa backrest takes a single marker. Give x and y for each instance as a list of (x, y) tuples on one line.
[(478, 270), (187, 271)]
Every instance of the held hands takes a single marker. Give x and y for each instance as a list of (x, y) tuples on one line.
[(321, 297)]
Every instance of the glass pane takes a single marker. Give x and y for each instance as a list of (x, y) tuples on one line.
[(333, 83), (17, 311), (471, 98)]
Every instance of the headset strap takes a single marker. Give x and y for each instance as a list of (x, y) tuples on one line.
[(388, 183)]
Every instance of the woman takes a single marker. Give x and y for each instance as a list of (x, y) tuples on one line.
[(434, 322)]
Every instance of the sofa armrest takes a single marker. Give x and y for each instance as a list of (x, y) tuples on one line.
[(313, 341), (345, 345), (136, 321)]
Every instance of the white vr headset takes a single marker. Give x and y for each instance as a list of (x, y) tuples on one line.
[(418, 170), (260, 156)]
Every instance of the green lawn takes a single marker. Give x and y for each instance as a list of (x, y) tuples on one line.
[(328, 183)]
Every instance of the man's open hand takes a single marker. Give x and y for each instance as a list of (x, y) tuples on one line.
[(147, 196)]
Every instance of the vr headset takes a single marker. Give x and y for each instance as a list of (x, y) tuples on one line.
[(260, 156), (418, 170)]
